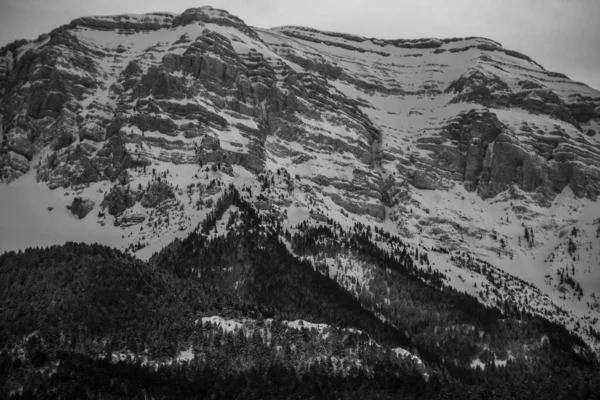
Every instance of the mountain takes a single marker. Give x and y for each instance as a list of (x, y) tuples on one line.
[(229, 316), (435, 194)]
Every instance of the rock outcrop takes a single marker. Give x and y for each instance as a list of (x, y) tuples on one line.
[(128, 219), (487, 156), (490, 91), (156, 193), (81, 207)]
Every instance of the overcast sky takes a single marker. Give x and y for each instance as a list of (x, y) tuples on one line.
[(562, 35)]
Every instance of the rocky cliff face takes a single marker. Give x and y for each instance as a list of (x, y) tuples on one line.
[(445, 141), (78, 97)]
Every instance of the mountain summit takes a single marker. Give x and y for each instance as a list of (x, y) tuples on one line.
[(469, 162)]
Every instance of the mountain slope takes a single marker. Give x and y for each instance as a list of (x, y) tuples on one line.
[(470, 152), (205, 318)]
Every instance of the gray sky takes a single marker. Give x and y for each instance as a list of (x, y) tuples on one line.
[(562, 35)]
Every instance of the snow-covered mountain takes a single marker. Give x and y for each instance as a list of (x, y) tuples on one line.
[(125, 129)]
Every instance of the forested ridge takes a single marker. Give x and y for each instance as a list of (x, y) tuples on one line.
[(87, 321)]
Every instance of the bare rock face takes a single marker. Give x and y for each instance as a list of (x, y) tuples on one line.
[(209, 14), (93, 131), (543, 102), (486, 156), (507, 163), (155, 123), (41, 96), (456, 154), (477, 87), (63, 131), (20, 144), (474, 131), (533, 170), (129, 219), (158, 83), (360, 207), (81, 207), (490, 91), (118, 199), (261, 98), (423, 180), (13, 165), (124, 23), (83, 163)]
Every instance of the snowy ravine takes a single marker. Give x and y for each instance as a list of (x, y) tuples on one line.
[(454, 144)]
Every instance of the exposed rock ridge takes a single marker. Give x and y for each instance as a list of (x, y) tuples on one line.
[(214, 96)]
